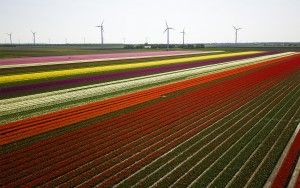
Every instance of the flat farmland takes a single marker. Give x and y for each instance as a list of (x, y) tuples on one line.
[(151, 119)]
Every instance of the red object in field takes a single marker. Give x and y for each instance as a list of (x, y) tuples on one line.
[(286, 170)]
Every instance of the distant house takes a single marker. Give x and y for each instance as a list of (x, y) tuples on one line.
[(147, 46)]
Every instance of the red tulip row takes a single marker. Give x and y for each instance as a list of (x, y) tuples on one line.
[(285, 171)]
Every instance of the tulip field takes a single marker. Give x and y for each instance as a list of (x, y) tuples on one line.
[(151, 119)]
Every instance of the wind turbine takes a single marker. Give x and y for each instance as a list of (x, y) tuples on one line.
[(10, 37), (33, 33), (102, 30), (236, 33), (183, 34), (168, 34)]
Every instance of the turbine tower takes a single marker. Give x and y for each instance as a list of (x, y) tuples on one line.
[(33, 34), (236, 33), (10, 37), (168, 34), (102, 30), (183, 34)]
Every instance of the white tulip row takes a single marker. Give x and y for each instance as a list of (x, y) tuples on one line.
[(103, 90)]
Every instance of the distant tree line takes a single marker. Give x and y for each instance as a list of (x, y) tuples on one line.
[(158, 46)]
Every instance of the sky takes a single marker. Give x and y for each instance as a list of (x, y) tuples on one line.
[(138, 21)]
